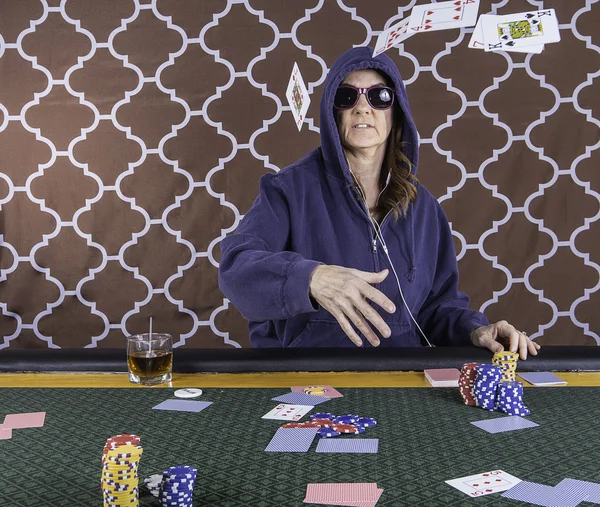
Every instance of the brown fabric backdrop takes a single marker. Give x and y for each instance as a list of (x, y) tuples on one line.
[(133, 136)]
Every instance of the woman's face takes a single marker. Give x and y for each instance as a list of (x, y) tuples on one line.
[(364, 130)]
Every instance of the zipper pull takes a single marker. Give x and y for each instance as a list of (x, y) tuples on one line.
[(374, 245)]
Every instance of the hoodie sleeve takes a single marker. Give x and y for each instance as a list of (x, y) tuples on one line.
[(445, 316), (256, 273)]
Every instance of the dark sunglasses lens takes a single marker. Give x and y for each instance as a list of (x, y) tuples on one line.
[(381, 98), (345, 98)]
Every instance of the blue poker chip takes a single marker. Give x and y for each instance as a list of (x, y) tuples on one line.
[(367, 422), (322, 415), (346, 419), (327, 433)]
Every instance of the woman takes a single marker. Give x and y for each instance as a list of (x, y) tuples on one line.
[(345, 246)]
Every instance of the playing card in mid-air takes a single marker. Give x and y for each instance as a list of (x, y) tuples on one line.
[(394, 35), (520, 30), (477, 41), (485, 483), (297, 96), (443, 15)]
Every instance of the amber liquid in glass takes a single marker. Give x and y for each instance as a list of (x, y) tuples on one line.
[(150, 364)]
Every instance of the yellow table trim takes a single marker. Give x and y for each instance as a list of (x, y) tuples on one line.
[(251, 380)]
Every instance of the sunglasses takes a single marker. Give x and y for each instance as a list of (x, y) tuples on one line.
[(378, 96)]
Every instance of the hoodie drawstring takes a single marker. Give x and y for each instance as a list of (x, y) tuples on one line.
[(412, 272)]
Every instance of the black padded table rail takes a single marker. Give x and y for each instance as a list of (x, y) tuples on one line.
[(188, 360)]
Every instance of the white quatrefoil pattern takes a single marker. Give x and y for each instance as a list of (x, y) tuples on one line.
[(133, 134)]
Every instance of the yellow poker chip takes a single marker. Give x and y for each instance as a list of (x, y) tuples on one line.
[(314, 390)]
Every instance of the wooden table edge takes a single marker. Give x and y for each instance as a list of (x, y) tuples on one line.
[(250, 380)]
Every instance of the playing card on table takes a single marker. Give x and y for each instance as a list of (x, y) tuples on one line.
[(292, 440), (318, 390), (520, 30), (341, 493), (443, 15), (286, 412), (349, 445), (477, 41), (442, 377), (5, 433), (501, 424), (297, 96), (485, 483), (394, 35), (183, 405), (591, 489), (542, 378), (301, 399), (27, 420), (548, 496)]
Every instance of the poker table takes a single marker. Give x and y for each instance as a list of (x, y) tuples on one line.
[(425, 435)]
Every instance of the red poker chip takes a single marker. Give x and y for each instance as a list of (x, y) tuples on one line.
[(345, 428), (305, 424), (323, 423)]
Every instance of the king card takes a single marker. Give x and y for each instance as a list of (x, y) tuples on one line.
[(297, 96), (477, 41), (520, 30), (443, 15)]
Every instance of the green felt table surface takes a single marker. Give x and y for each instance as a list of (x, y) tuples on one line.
[(424, 439)]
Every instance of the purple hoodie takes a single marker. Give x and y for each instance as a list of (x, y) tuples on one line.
[(309, 214)]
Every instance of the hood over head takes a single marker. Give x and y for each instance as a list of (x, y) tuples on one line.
[(360, 58)]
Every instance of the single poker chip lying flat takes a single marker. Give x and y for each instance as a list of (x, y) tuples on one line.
[(346, 419), (305, 424), (188, 393), (323, 415), (327, 433), (345, 428), (323, 423), (367, 422)]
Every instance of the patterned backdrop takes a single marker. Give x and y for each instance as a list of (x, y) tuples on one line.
[(133, 135)]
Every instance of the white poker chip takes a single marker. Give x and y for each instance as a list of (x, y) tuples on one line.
[(188, 393)]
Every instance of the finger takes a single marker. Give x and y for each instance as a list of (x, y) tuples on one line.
[(514, 338), (493, 345), (371, 277), (379, 298), (372, 316), (532, 347), (347, 328), (362, 325), (523, 345)]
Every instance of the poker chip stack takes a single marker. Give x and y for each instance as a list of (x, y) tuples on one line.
[(486, 383), (153, 483), (510, 399), (507, 361), (466, 382), (120, 461), (177, 487), (331, 426)]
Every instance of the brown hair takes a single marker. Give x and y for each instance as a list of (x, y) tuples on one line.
[(401, 189)]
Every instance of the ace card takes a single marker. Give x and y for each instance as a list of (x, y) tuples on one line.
[(287, 412), (520, 30), (394, 35), (443, 15), (297, 96), (485, 483)]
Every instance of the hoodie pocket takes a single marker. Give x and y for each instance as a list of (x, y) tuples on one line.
[(322, 333)]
